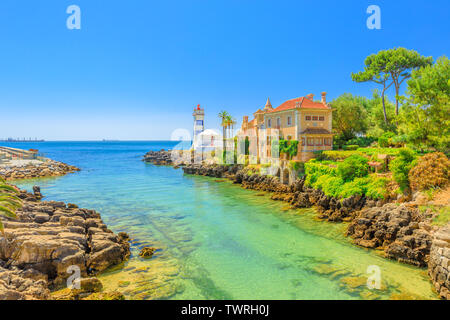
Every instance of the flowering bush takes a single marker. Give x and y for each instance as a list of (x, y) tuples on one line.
[(432, 170)]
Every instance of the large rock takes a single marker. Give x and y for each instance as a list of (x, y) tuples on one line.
[(16, 285), (161, 157), (396, 229), (48, 238)]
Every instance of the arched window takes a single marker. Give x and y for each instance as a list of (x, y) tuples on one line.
[(269, 123)]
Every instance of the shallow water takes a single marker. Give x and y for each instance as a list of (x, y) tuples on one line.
[(215, 239)]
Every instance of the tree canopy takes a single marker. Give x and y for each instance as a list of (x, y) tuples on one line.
[(391, 67), (425, 116), (400, 62), (349, 116)]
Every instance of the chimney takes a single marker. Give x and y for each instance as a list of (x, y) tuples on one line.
[(324, 97), (310, 97)]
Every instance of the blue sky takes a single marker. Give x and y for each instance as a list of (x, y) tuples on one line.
[(137, 68)]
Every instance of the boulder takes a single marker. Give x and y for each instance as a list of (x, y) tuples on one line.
[(48, 238), (146, 252)]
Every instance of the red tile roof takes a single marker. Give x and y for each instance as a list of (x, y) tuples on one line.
[(305, 103), (316, 131)]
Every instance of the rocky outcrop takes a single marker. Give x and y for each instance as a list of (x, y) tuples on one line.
[(439, 262), (49, 239), (161, 157), (89, 289), (36, 169), (16, 284), (401, 230), (213, 170)]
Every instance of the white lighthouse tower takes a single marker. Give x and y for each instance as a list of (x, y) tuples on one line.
[(199, 125)]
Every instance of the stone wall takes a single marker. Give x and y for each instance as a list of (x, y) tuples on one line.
[(439, 264)]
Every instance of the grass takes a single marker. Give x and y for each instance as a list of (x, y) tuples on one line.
[(442, 216)]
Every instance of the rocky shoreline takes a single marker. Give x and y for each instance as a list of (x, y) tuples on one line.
[(47, 241), (36, 169), (162, 157), (403, 232)]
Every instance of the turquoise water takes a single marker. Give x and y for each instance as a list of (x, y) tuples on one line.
[(215, 240)]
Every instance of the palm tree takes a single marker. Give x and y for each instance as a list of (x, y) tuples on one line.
[(232, 124), (8, 201), (224, 115)]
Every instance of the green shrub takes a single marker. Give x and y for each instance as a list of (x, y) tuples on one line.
[(385, 139), (351, 147), (372, 187), (314, 170), (376, 188), (319, 155), (377, 151), (339, 155), (330, 185), (383, 142), (297, 165), (401, 166), (361, 141), (348, 179), (288, 147), (355, 187), (247, 160), (399, 140), (246, 146), (353, 167)]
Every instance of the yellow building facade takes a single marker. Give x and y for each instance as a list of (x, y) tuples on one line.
[(302, 119)]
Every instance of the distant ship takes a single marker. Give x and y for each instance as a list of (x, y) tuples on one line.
[(22, 140), (107, 140)]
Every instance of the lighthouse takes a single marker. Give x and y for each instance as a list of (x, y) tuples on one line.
[(199, 124)]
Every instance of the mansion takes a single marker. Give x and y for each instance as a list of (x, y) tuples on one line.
[(302, 119)]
